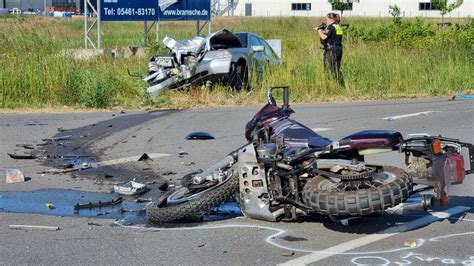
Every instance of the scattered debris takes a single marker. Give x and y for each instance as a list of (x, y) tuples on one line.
[(26, 146), (462, 95), (145, 157), (21, 156), (150, 182), (188, 164), (50, 205), (346, 221), (14, 176), (35, 124), (43, 144), (39, 227), (63, 171), (131, 188), (199, 135), (288, 254), (68, 137), (67, 166), (293, 239), (142, 200), (98, 204), (163, 186), (168, 173), (95, 224), (410, 244)]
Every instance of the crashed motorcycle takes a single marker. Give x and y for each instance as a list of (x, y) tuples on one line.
[(287, 170)]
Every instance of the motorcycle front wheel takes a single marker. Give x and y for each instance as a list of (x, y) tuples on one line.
[(181, 204), (387, 188)]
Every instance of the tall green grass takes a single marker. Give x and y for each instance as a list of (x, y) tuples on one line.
[(382, 59)]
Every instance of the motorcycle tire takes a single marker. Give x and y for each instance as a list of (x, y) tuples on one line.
[(200, 203), (362, 201)]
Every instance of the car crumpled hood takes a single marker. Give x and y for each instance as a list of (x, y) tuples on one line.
[(225, 37), (183, 46)]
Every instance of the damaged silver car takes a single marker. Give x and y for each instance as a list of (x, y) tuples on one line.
[(222, 57)]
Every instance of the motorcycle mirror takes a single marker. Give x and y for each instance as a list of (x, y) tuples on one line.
[(286, 96)]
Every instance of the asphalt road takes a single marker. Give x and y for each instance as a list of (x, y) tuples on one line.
[(233, 241)]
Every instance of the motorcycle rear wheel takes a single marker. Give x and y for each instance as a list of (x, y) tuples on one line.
[(384, 194), (195, 204)]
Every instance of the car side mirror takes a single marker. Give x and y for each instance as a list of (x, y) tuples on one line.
[(258, 48)]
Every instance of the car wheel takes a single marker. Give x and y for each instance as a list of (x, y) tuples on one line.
[(238, 77)]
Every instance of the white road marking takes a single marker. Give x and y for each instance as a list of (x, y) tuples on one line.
[(362, 241), (127, 159), (321, 129), (390, 118)]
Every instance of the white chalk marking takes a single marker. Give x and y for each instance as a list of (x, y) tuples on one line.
[(362, 241), (268, 240), (127, 159), (390, 118), (441, 237), (321, 129)]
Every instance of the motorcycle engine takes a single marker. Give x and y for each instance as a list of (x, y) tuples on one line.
[(267, 152)]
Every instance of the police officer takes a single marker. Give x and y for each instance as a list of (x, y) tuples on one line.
[(330, 34)]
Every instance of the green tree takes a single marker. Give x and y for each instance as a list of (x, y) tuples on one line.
[(394, 10), (445, 7), (341, 5)]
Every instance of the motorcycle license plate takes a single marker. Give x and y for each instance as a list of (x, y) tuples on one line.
[(164, 61)]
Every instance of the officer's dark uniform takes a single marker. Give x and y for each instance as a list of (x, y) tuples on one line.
[(333, 51)]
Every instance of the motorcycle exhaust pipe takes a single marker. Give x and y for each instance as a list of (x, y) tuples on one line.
[(419, 203)]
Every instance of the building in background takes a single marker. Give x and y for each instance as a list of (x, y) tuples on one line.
[(34, 5), (372, 8)]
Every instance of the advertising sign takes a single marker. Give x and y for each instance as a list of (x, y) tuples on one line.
[(152, 10)]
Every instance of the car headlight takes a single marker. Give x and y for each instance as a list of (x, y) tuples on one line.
[(213, 55), (153, 67)]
